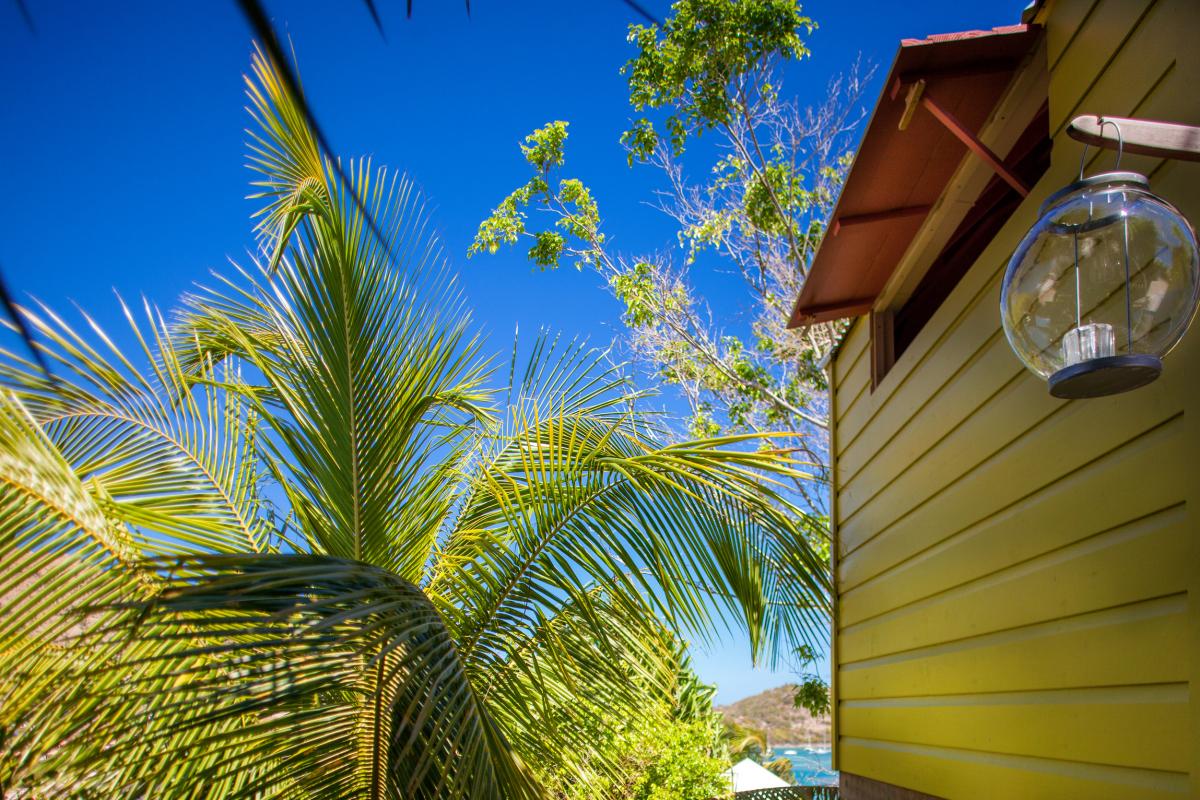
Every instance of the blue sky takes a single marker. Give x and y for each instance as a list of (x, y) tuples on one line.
[(122, 130)]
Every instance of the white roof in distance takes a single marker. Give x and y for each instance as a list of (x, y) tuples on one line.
[(747, 776)]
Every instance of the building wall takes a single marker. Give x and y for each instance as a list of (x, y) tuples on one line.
[(1018, 577)]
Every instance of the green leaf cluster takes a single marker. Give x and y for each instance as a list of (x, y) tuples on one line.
[(693, 63), (812, 693), (671, 749), (578, 214), (762, 207)]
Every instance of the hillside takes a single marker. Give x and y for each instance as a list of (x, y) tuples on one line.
[(774, 712)]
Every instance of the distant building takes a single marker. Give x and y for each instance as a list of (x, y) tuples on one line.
[(749, 776)]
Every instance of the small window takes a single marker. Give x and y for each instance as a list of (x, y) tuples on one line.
[(893, 330)]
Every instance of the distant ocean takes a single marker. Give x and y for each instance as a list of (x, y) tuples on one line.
[(812, 766)]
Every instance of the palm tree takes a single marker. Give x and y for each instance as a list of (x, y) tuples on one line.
[(304, 550)]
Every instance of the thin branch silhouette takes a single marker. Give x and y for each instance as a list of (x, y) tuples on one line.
[(643, 13), (22, 328)]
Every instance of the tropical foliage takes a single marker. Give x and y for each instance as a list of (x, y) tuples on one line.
[(769, 177), (672, 749), (745, 742), (293, 542)]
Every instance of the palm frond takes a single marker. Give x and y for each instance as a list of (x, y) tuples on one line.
[(567, 498), (599, 657), (368, 370), (336, 673), (166, 452), (59, 556), (477, 593)]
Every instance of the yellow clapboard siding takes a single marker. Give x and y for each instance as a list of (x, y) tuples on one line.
[(847, 382), (856, 386), (928, 426), (970, 775), (933, 512), (1018, 578), (1134, 70), (993, 460), (1062, 512), (1006, 420), (1062, 27), (1135, 644), (1103, 33), (853, 346), (1056, 724), (979, 376), (1146, 558), (1038, 403)]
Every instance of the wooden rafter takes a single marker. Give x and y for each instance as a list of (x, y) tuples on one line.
[(878, 216), (973, 143)]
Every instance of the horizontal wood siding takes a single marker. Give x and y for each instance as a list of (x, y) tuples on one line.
[(1018, 576)]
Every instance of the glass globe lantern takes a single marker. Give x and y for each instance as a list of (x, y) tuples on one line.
[(1102, 287)]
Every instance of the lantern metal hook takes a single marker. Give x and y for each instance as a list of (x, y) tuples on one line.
[(1101, 121)]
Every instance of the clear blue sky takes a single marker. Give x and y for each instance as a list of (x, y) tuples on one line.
[(121, 143)]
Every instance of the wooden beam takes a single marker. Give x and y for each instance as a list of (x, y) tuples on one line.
[(851, 220), (910, 103), (829, 311), (1142, 137), (974, 144)]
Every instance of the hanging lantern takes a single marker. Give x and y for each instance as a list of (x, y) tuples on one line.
[(1102, 287)]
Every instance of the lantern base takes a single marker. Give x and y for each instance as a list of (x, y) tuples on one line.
[(1098, 377)]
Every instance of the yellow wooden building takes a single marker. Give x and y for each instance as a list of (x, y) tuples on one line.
[(1017, 576)]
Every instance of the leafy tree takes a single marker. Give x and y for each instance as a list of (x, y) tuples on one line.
[(686, 759), (714, 68), (664, 758), (670, 750), (296, 546), (683, 762), (812, 693), (782, 768)]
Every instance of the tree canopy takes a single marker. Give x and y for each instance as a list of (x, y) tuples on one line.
[(300, 544)]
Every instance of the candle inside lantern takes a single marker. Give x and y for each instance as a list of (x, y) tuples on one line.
[(1094, 340)]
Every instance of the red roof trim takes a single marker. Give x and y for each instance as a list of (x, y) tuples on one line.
[(896, 171)]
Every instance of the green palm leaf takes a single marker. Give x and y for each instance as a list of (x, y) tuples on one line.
[(336, 673), (582, 491), (367, 384), (167, 453), (463, 594), (59, 556)]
